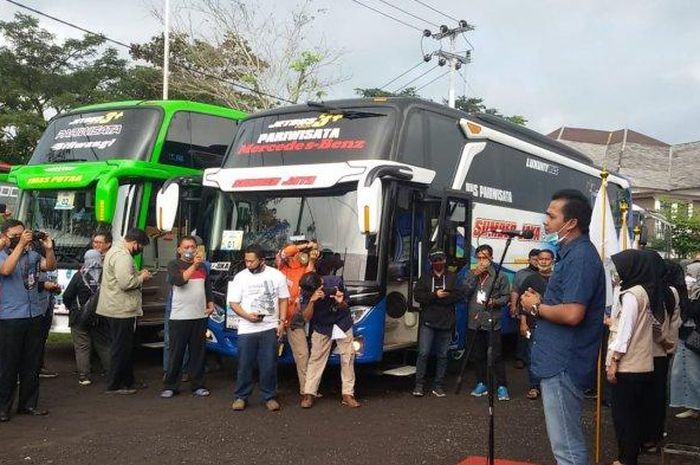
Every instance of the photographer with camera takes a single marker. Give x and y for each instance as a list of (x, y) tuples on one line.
[(437, 293), (21, 316), (325, 304)]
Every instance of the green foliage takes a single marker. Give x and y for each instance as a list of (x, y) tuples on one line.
[(375, 92), (41, 77), (685, 229)]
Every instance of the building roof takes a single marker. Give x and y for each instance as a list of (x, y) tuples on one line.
[(599, 137)]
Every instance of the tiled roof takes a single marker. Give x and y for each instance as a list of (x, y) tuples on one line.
[(596, 136)]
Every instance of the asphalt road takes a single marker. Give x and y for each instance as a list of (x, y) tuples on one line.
[(86, 426)]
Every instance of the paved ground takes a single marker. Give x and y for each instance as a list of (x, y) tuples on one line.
[(88, 427)]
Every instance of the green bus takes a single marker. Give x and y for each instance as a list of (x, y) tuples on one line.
[(99, 167)]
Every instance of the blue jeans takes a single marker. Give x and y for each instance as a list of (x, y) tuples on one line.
[(261, 349), (562, 401), (426, 338)]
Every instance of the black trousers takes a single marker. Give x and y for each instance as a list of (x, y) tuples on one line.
[(46, 328), (184, 333), (480, 352), (656, 401), (628, 398), (121, 369), (21, 345)]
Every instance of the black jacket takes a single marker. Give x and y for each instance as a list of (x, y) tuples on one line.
[(77, 293), (435, 312)]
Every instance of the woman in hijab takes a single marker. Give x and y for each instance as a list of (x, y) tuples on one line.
[(87, 332), (629, 361), (665, 340)]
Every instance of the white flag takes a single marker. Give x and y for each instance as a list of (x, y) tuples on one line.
[(604, 237)]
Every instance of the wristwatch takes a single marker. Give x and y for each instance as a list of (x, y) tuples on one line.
[(535, 310)]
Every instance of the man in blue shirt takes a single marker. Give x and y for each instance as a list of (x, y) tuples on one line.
[(21, 317), (568, 324)]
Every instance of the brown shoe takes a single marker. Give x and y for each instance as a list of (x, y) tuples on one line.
[(307, 401), (350, 401), (272, 405), (238, 405)]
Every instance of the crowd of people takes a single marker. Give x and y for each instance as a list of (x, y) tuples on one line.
[(557, 301)]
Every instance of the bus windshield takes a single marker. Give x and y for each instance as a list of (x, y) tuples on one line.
[(329, 218), (99, 135), (313, 137), (69, 217)]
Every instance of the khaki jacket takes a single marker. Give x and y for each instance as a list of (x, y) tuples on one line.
[(120, 291)]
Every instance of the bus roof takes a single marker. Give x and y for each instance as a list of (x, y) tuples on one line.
[(170, 106), (403, 104)]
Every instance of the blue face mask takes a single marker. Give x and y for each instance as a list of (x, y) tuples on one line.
[(553, 239)]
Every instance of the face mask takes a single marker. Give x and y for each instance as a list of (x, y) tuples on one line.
[(14, 242), (439, 267), (554, 240), (188, 255), (258, 269)]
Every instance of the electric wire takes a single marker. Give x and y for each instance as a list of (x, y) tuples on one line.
[(408, 13), (436, 10), (387, 15), (402, 75), (433, 80), (414, 80)]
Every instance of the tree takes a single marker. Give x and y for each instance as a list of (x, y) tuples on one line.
[(216, 43), (41, 77), (375, 92), (685, 229)]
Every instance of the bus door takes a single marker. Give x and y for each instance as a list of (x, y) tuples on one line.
[(414, 221), (454, 237)]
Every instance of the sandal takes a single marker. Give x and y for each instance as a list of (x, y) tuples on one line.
[(533, 393)]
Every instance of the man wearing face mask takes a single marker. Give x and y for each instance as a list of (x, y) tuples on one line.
[(521, 352), (120, 303), (21, 317), (567, 330), (483, 315), (437, 293), (191, 302)]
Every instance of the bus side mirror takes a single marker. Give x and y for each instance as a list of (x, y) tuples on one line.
[(369, 206), (106, 193), (167, 201)]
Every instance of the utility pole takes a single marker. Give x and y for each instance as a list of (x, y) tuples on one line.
[(456, 61), (166, 50)]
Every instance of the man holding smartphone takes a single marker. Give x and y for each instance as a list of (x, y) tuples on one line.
[(259, 297), (437, 293)]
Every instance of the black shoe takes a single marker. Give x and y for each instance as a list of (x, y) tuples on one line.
[(4, 416), (33, 412), (44, 373)]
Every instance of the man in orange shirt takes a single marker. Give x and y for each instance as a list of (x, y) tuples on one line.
[(294, 261)]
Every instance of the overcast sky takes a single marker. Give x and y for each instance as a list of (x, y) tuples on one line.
[(592, 63)]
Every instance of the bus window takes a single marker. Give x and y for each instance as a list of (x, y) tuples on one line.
[(445, 144), (413, 146), (197, 141), (455, 234)]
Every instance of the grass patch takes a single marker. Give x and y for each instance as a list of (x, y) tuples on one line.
[(58, 339)]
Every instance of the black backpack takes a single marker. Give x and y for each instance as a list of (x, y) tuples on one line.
[(86, 316)]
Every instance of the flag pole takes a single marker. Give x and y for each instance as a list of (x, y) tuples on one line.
[(599, 379), (623, 229)]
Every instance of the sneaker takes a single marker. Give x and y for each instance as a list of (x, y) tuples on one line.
[(690, 413), (83, 380), (238, 405), (418, 391), (480, 390), (44, 373), (201, 392), (167, 394), (439, 392), (122, 391), (272, 405), (502, 393)]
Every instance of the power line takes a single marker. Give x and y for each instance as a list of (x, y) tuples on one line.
[(407, 13), (176, 64), (387, 15), (428, 83), (403, 74), (414, 80), (436, 10)]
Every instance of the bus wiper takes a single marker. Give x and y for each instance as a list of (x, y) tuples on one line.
[(349, 114), (66, 160)]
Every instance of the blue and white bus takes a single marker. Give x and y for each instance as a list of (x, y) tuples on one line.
[(378, 183)]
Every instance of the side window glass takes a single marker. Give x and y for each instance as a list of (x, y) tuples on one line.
[(211, 137), (178, 141), (456, 243), (445, 145), (413, 145)]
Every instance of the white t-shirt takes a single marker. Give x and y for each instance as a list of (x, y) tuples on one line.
[(258, 293)]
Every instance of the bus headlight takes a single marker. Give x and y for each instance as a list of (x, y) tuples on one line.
[(358, 312), (358, 345)]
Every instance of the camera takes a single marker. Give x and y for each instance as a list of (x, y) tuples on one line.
[(38, 236), (330, 291)]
